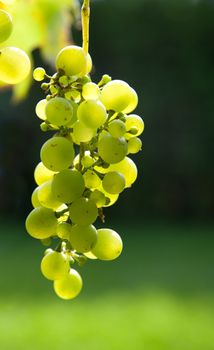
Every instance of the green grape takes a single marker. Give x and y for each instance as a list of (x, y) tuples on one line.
[(109, 244), (133, 101), (74, 114), (91, 256), (41, 223), (46, 197), (69, 286), (91, 179), (83, 211), (110, 198), (92, 114), (135, 121), (98, 197), (42, 174), (39, 74), (134, 145), (14, 65), (6, 25), (72, 60), (57, 153), (117, 95), (128, 168), (113, 182), (59, 111), (82, 133), (63, 230), (89, 64), (34, 198), (90, 91), (117, 128), (54, 266), (87, 161), (68, 185), (83, 237), (112, 150), (40, 109)]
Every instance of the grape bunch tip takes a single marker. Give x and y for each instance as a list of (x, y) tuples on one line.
[(84, 166)]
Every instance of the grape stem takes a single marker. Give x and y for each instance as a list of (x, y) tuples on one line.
[(85, 14)]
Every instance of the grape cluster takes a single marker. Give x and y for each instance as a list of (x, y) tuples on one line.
[(84, 166), (14, 63)]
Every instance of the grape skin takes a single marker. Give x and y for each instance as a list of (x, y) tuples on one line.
[(112, 150), (83, 211), (109, 245), (41, 223), (70, 286), (72, 60), (6, 25), (83, 237), (54, 266)]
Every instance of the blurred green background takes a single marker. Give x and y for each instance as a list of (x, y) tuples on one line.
[(159, 295)]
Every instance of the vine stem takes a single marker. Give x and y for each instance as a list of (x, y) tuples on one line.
[(85, 14)]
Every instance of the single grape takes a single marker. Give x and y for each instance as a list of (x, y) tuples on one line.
[(46, 197), (63, 230), (87, 161), (68, 185), (40, 109), (91, 179), (34, 198), (83, 211), (57, 153), (83, 237), (54, 266), (92, 114), (41, 223), (69, 286), (72, 60), (6, 25), (117, 95), (98, 197), (113, 182), (59, 111), (90, 91), (134, 145), (133, 120), (117, 128), (39, 74), (109, 245), (133, 101), (126, 167), (82, 133), (112, 150), (110, 198), (14, 65), (42, 174)]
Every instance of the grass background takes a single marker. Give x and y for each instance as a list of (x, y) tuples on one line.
[(159, 295)]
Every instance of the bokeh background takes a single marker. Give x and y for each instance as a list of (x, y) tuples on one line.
[(160, 293)]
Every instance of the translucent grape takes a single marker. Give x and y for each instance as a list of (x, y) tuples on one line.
[(113, 182), (117, 128), (72, 60), (90, 255), (92, 113), (14, 65), (90, 91), (6, 25), (40, 109), (110, 198), (89, 64), (42, 174), (63, 230), (112, 150), (34, 198), (98, 197), (41, 223), (134, 145), (57, 153), (74, 114), (68, 185), (54, 266), (133, 101), (59, 111), (82, 133), (133, 120), (91, 179), (39, 74), (109, 245), (83, 237), (117, 95), (46, 197), (126, 167), (87, 161), (69, 286), (83, 211)]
